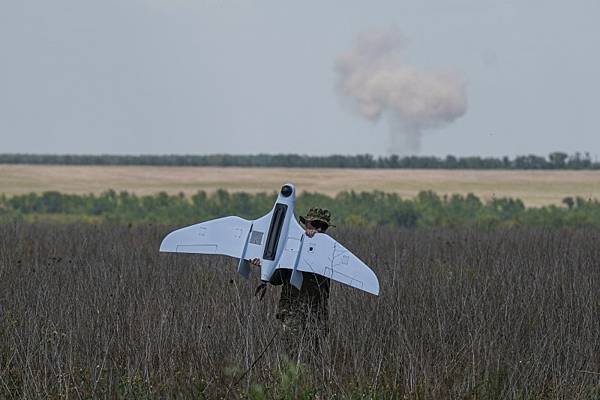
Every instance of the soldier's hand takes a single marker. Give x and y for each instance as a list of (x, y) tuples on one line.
[(255, 262), (310, 232)]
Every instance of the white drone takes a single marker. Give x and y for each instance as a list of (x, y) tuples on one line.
[(279, 242)]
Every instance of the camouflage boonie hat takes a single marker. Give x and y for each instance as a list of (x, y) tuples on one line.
[(317, 214)]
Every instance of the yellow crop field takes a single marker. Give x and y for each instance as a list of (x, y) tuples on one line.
[(535, 188)]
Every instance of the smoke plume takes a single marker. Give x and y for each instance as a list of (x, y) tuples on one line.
[(377, 81)]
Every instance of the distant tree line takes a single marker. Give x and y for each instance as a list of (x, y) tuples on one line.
[(348, 208), (556, 160)]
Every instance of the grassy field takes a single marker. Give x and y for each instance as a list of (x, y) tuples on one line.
[(95, 311), (535, 188)]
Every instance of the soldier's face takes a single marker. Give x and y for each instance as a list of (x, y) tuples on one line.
[(316, 225)]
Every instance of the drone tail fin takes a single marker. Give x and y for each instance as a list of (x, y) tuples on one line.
[(296, 279), (244, 265)]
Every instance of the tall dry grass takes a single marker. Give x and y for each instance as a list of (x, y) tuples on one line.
[(94, 311)]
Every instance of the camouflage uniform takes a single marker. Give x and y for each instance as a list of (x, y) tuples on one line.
[(303, 312)]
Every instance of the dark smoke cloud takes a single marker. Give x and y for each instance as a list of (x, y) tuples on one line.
[(377, 81)]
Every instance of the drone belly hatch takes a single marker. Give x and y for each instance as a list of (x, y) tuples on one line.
[(274, 234), (275, 241)]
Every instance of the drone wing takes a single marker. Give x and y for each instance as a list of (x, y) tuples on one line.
[(225, 236), (322, 255)]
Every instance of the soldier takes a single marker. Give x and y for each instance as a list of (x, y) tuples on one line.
[(299, 309)]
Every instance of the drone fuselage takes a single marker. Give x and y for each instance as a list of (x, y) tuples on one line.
[(281, 214)]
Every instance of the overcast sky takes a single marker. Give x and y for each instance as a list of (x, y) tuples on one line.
[(244, 76)]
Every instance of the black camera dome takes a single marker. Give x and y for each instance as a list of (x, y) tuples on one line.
[(286, 190)]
